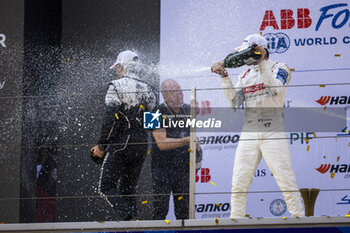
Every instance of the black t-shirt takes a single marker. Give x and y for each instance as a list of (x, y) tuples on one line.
[(175, 159)]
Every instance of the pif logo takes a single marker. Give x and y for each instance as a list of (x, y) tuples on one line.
[(151, 120), (205, 176), (295, 137), (278, 42)]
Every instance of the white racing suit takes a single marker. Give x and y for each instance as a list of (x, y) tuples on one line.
[(263, 89)]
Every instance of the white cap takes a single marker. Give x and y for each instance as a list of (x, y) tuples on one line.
[(125, 57), (255, 39)]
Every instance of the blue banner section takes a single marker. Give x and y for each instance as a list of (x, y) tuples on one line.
[(344, 229)]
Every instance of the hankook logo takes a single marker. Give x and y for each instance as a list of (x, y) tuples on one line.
[(335, 168), (333, 100)]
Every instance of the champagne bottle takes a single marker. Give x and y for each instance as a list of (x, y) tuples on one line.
[(243, 57)]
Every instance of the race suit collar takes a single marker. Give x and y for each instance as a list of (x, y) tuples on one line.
[(132, 75), (137, 78)]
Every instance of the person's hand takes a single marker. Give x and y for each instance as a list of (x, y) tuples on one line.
[(219, 68), (262, 51), (97, 152)]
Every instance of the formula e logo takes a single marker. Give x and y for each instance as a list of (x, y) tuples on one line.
[(278, 207), (323, 168), (151, 120), (278, 42), (344, 201), (345, 132)]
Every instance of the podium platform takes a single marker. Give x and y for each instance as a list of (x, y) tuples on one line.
[(324, 224)]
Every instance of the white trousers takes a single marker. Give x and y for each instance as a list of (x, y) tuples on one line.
[(251, 148)]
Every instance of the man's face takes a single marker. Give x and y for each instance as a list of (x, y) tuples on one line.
[(173, 96), (263, 53), (119, 69)]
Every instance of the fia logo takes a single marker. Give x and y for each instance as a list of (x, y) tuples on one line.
[(278, 42), (151, 120)]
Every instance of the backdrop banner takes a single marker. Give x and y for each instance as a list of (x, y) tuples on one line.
[(312, 38)]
